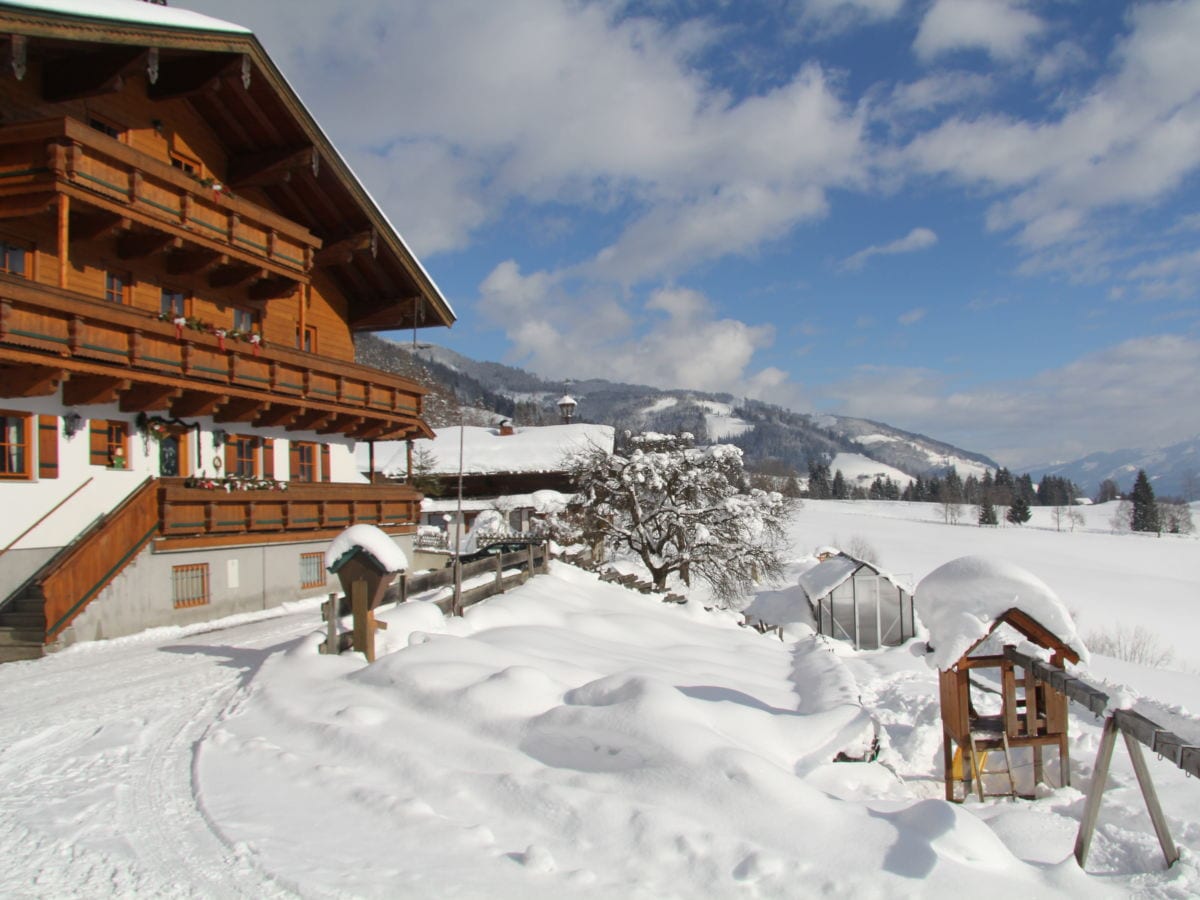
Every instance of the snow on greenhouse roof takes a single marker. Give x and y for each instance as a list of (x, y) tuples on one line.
[(370, 540), (827, 575), (134, 11), (960, 601)]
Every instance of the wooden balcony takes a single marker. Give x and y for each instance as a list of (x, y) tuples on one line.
[(191, 516), (102, 353), (152, 206)]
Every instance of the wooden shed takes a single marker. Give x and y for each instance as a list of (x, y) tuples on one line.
[(985, 706), (853, 600)]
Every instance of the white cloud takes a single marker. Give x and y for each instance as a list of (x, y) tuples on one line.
[(458, 108), (917, 239), (1138, 393), (1001, 28), (913, 316), (939, 90), (674, 339), (837, 15)]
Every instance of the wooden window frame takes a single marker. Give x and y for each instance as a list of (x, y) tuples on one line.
[(306, 339), (109, 127), (108, 436), (121, 294), (186, 163), (172, 312), (307, 561), (23, 444), (250, 320), (190, 585), (241, 456), (299, 466), (10, 245)]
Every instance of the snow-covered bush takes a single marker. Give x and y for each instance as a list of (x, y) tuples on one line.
[(680, 509), (1136, 645)]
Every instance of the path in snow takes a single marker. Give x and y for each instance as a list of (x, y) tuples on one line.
[(97, 747)]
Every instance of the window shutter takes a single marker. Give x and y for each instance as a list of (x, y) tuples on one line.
[(293, 461), (98, 433), (230, 454), (47, 446), (268, 457), (325, 462)]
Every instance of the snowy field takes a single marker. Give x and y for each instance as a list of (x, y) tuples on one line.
[(572, 738)]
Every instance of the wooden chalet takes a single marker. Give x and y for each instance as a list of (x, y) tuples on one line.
[(184, 261)]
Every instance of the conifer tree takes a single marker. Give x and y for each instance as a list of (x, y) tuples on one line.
[(1019, 512), (987, 512), (1145, 511)]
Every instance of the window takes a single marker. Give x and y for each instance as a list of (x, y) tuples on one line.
[(241, 456), (12, 257), (306, 339), (173, 303), (109, 443), (14, 445), (106, 126), (312, 570), (189, 585), (116, 287), (185, 163), (244, 320), (303, 461)]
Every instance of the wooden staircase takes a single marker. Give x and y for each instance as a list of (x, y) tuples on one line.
[(36, 613)]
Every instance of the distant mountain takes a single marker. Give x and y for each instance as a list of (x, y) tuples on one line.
[(1174, 471), (773, 438)]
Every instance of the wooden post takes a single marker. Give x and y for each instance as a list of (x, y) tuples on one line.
[(1170, 853), (402, 597), (499, 573), (1091, 809), (364, 631), (330, 609), (64, 238)]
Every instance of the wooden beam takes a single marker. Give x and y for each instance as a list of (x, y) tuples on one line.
[(140, 244), (24, 206), (186, 75), (90, 75), (310, 420), (85, 390), (272, 288), (95, 226), (234, 274), (272, 167), (342, 252), (382, 314), (30, 381), (197, 403), (195, 262), (148, 396), (14, 55), (368, 430), (276, 416), (341, 424), (239, 409)]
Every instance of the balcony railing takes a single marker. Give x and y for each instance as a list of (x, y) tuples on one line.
[(67, 156), (312, 509), (63, 330)]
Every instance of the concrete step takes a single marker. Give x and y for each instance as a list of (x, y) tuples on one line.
[(15, 653), (14, 637), (23, 620), (25, 605)]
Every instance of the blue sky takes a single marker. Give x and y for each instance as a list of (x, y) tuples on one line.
[(976, 219)]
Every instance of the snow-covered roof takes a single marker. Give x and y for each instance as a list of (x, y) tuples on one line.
[(485, 451), (543, 502), (136, 12), (960, 601), (825, 576), (366, 539)]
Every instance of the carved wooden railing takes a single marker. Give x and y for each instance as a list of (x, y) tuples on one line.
[(71, 326), (301, 509), (66, 154), (75, 575)]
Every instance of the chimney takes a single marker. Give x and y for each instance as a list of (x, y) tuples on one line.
[(506, 427)]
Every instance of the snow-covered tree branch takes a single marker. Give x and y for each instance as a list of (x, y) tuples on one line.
[(681, 509)]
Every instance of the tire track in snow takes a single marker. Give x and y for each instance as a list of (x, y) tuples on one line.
[(99, 792)]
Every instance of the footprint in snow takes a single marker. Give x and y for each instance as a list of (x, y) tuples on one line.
[(535, 859)]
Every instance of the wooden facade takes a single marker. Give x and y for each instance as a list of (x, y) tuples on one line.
[(185, 257)]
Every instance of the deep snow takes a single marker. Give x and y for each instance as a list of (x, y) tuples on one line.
[(572, 738)]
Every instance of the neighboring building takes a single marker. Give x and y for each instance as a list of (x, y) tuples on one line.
[(503, 468), (853, 600), (184, 259)]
